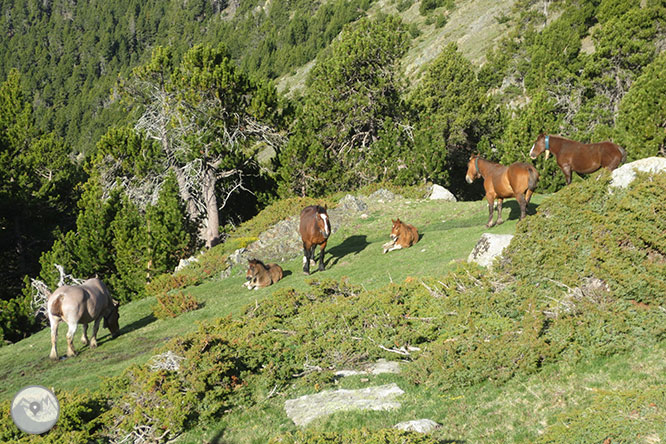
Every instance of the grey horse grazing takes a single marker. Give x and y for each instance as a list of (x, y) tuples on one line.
[(81, 304)]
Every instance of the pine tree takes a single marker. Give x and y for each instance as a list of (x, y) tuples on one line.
[(168, 229), (130, 252)]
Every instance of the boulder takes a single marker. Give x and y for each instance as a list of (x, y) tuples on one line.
[(623, 176), (417, 425), (441, 193), (185, 262), (305, 409), (351, 203), (382, 195), (488, 248)]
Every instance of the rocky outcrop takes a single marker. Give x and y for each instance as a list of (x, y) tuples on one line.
[(307, 408), (623, 176), (441, 193), (488, 248), (418, 425)]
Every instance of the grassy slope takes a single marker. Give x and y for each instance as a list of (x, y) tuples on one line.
[(514, 412), (449, 232)]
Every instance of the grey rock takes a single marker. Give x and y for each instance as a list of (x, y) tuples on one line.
[(488, 248), (305, 409), (418, 425), (441, 193), (185, 262), (623, 176), (382, 195), (352, 203)]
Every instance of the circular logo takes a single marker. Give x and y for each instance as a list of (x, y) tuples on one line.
[(35, 409)]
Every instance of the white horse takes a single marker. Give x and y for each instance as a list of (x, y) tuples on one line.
[(81, 304)]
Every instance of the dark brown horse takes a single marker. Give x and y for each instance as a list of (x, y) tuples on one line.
[(402, 236), (81, 304), (260, 275), (315, 228), (500, 182), (579, 157)]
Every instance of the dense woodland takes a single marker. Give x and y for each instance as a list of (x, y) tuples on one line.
[(134, 133)]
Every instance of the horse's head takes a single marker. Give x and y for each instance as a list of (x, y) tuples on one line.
[(539, 147), (322, 222), (252, 269), (395, 231), (111, 319), (472, 169)]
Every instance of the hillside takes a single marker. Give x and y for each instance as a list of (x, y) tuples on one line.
[(528, 353)]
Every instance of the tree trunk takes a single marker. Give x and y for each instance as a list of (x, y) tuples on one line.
[(211, 229)]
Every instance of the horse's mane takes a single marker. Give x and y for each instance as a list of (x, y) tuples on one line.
[(258, 262)]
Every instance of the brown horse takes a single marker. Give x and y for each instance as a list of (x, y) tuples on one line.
[(81, 304), (315, 228), (500, 182), (260, 275), (402, 236), (579, 157)]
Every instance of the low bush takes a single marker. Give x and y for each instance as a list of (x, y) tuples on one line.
[(174, 304), (355, 436)]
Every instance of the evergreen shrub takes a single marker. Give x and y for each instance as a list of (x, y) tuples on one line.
[(173, 304)]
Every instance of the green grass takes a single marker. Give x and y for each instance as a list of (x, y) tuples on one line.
[(448, 231)]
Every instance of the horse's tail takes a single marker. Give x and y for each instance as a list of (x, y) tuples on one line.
[(533, 178), (56, 307)]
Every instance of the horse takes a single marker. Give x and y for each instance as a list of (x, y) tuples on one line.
[(315, 228), (518, 180), (579, 157), (81, 304), (402, 236), (260, 275)]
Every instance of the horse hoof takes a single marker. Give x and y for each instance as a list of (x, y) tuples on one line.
[(499, 222)]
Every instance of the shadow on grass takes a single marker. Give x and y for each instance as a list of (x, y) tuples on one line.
[(149, 319), (515, 209), (351, 245)]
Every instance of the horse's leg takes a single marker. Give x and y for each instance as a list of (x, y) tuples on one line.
[(566, 169), (491, 207), (54, 337), (499, 221), (321, 256), (306, 259), (84, 336), (71, 330), (396, 246), (523, 205), (93, 339), (528, 196)]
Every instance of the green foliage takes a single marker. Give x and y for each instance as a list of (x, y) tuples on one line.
[(17, 319), (585, 233), (174, 304), (642, 113), (612, 415), (130, 258), (37, 187), (352, 100), (454, 117), (385, 436), (168, 229), (427, 6)]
